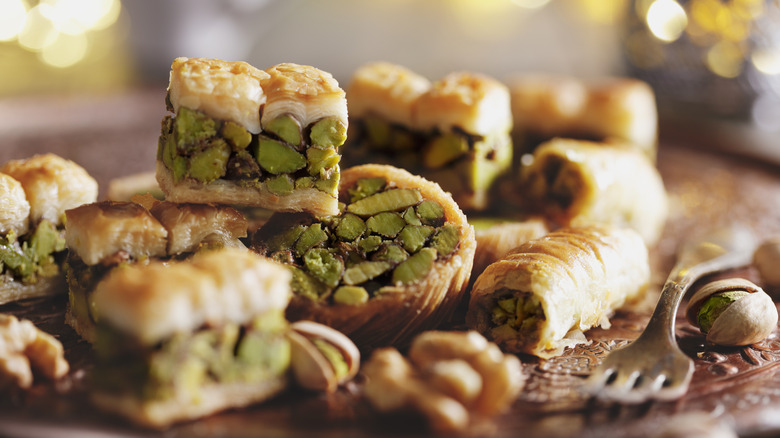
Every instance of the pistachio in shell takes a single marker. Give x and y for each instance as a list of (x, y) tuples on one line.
[(732, 312), (322, 358)]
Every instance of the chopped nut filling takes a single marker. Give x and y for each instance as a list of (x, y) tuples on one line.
[(384, 236), (284, 157)]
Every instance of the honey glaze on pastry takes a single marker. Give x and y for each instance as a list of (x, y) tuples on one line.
[(541, 296), (249, 137), (394, 262)]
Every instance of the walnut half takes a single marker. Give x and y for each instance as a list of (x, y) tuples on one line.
[(447, 376), (23, 345)]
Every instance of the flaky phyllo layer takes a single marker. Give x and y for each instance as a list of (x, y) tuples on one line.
[(454, 131), (266, 138)]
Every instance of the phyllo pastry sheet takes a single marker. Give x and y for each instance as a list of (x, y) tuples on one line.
[(542, 296), (573, 182), (104, 235), (610, 109), (180, 340), (395, 261), (454, 131), (244, 136), (34, 194)]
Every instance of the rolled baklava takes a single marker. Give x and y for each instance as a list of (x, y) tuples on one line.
[(105, 235), (542, 296), (394, 262), (573, 182), (181, 340), (610, 109), (496, 237), (454, 131), (34, 194), (259, 138)]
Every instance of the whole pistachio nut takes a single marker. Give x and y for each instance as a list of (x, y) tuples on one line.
[(322, 358), (732, 312), (766, 259)]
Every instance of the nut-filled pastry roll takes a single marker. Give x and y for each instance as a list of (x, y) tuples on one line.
[(610, 109), (496, 237), (394, 262), (181, 340), (244, 136), (541, 296), (454, 131), (573, 182), (34, 194), (105, 235)]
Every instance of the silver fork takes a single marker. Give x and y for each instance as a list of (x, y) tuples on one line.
[(653, 367)]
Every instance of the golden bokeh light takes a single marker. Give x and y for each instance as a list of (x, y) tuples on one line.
[(65, 51), (725, 59), (767, 61), (530, 4), (12, 15), (39, 29), (603, 11), (666, 19), (57, 30)]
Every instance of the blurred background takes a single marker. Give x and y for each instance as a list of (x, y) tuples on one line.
[(712, 59)]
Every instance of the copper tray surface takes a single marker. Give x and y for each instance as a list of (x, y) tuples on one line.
[(116, 135)]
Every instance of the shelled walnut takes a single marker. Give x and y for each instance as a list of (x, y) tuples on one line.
[(23, 347), (447, 376)]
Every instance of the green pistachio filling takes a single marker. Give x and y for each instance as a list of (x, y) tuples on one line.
[(183, 364), (385, 236), (462, 163), (714, 306), (284, 157), (516, 316), (31, 256)]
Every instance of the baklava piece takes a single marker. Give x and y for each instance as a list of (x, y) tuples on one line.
[(250, 137), (34, 195), (611, 109), (394, 262), (542, 296), (454, 131), (573, 183), (105, 235), (181, 340)]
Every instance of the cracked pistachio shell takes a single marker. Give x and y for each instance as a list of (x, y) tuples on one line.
[(310, 366), (749, 319)]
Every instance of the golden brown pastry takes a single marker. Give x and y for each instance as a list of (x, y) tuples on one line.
[(244, 136), (105, 235), (395, 262), (34, 194), (181, 340), (495, 238), (454, 131), (540, 297), (610, 109), (573, 182)]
